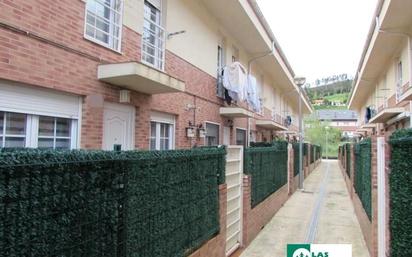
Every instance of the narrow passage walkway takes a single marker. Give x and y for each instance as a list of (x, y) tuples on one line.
[(322, 214)]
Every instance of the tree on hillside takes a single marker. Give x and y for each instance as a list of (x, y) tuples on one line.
[(315, 132)]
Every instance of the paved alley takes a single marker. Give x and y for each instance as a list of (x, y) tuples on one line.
[(323, 213)]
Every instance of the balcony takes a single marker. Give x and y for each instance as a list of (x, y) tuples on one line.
[(405, 92), (386, 114), (270, 125), (140, 78), (235, 112)]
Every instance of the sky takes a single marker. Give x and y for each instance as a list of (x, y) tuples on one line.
[(320, 38)]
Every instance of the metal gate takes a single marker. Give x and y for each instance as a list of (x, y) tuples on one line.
[(234, 179)]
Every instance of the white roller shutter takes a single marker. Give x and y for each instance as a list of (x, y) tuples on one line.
[(15, 97), (156, 3), (162, 117)]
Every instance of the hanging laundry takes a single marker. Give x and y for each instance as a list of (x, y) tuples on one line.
[(253, 94), (234, 80)]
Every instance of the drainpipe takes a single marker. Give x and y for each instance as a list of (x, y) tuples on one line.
[(249, 69), (410, 77)]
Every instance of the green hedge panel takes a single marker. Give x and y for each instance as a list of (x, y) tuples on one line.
[(295, 159), (348, 158), (94, 203), (267, 167), (363, 178), (400, 180)]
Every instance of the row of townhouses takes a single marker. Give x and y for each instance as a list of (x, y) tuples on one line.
[(382, 91), (141, 74)]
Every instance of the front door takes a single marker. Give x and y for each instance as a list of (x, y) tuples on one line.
[(118, 127)]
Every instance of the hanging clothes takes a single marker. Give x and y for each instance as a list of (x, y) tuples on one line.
[(253, 94), (234, 80), (368, 114)]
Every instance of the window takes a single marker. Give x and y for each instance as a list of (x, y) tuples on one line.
[(241, 137), (104, 22), (212, 134), (54, 133), (161, 136), (153, 40), (12, 129), (24, 130)]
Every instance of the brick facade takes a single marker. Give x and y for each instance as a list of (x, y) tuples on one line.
[(42, 45)]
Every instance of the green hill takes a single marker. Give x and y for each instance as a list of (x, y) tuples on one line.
[(334, 96)]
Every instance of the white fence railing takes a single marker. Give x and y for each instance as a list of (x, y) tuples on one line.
[(153, 44)]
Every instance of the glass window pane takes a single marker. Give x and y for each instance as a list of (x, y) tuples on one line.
[(102, 36), (152, 143), (153, 129), (91, 19), (1, 122), (45, 143), (102, 25), (62, 143), (46, 126), (15, 124), (15, 142), (63, 127)]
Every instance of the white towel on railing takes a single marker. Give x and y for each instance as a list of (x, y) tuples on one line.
[(234, 80)]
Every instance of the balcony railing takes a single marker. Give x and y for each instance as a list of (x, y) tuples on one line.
[(153, 44)]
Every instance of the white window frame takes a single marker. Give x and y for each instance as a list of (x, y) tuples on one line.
[(219, 137), (158, 136), (111, 25), (242, 129), (32, 131), (160, 41)]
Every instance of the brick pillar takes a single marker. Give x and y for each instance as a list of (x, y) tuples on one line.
[(374, 192), (388, 153), (291, 179), (247, 208)]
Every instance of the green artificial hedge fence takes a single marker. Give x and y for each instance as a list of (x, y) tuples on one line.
[(121, 204), (400, 182), (348, 158), (362, 180), (267, 167), (296, 159)]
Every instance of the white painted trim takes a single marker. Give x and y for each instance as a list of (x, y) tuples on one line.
[(381, 197)]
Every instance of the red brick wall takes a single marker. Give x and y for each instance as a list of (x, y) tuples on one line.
[(255, 219), (71, 66)]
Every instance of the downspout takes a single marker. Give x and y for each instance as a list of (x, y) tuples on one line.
[(410, 77), (249, 68)]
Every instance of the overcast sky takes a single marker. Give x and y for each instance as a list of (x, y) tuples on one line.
[(320, 37)]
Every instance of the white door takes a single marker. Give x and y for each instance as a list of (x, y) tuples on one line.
[(234, 176), (226, 135), (118, 127)]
